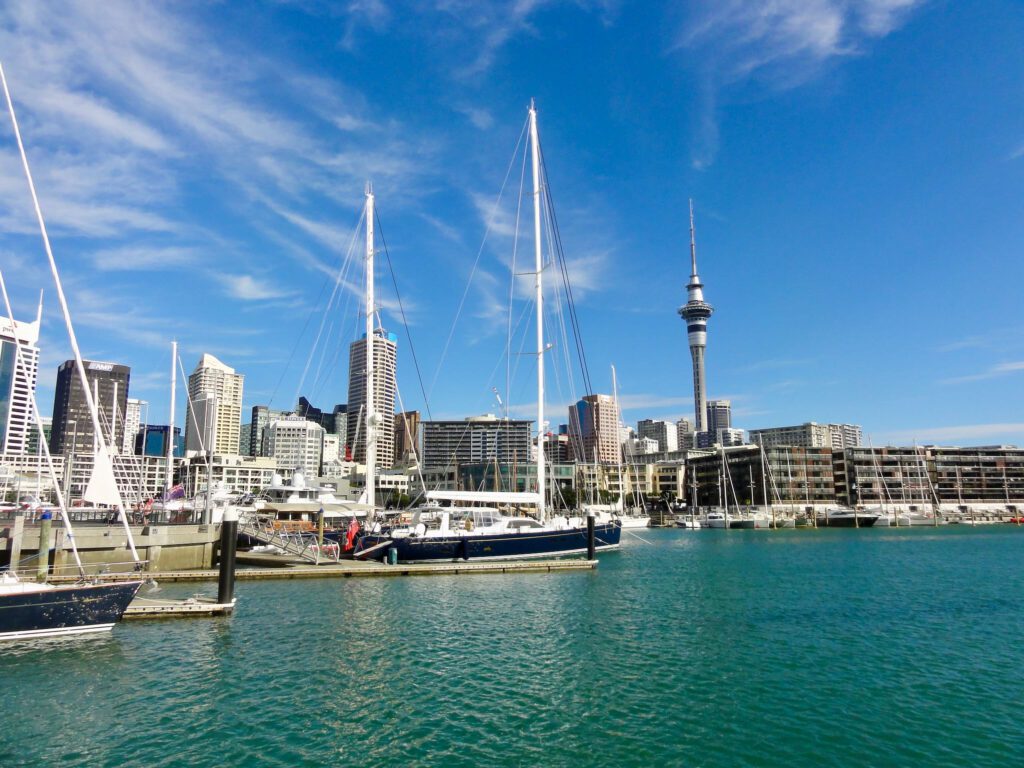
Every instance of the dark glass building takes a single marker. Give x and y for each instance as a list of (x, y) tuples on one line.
[(72, 424)]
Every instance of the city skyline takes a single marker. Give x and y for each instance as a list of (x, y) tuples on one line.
[(843, 215)]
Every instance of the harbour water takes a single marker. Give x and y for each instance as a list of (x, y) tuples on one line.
[(827, 647)]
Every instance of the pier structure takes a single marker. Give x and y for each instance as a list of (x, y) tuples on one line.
[(695, 312)]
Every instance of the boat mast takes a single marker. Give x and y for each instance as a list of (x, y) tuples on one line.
[(101, 461), (539, 291), (371, 414), (169, 480)]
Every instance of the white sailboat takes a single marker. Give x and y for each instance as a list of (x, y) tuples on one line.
[(473, 525)]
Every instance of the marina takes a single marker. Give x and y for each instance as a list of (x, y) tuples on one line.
[(677, 651)]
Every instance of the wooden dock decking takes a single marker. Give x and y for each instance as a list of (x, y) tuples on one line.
[(354, 569)]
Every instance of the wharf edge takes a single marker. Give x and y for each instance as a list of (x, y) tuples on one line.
[(360, 570)]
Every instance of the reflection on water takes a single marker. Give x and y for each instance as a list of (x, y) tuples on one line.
[(707, 647)]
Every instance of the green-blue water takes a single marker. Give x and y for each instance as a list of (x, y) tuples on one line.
[(829, 647)]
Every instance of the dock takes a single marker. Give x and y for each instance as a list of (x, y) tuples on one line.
[(153, 608), (357, 569)]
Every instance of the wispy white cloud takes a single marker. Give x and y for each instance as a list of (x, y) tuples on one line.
[(478, 116), (144, 258), (780, 43), (993, 372), (249, 288)]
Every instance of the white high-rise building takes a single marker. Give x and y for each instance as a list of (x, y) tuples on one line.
[(594, 430), (295, 443), (220, 388), (132, 423), (18, 382), (385, 360)]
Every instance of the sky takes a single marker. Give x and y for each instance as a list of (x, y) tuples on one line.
[(856, 167)]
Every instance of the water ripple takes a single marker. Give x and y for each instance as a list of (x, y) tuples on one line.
[(851, 648)]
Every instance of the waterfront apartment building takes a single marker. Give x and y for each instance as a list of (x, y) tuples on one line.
[(594, 430), (385, 362), (809, 435), (18, 340), (295, 443), (215, 391), (477, 439), (72, 422), (664, 432), (923, 477), (796, 477)]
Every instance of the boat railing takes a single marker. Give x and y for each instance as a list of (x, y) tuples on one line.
[(28, 568)]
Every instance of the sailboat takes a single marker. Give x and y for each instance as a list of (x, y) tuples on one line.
[(474, 525), (32, 609)]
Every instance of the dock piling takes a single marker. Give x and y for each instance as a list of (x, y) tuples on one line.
[(17, 532), (590, 537), (43, 562), (228, 540)]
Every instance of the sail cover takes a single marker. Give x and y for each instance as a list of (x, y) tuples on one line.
[(102, 488)]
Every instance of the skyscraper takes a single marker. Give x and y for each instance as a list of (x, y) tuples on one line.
[(132, 424), (385, 359), (215, 391), (72, 422), (664, 432), (18, 383), (594, 430), (696, 312)]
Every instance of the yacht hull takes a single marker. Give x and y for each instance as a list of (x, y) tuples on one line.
[(504, 546), (68, 610)]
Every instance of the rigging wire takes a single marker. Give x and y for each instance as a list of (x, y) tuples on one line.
[(476, 263), (405, 322)]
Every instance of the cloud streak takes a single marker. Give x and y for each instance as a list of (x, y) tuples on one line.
[(780, 44)]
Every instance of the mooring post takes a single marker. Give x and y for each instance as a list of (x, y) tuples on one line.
[(43, 562), (590, 536), (228, 540), (17, 531), (320, 527)]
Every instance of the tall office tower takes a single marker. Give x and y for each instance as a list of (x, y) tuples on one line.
[(385, 359), (72, 423), (685, 435), (216, 390), (18, 382), (594, 430), (296, 443), (262, 415), (719, 415), (407, 427), (132, 424), (662, 431), (696, 312)]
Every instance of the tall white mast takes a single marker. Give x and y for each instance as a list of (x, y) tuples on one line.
[(170, 425), (371, 413), (539, 290), (106, 487)]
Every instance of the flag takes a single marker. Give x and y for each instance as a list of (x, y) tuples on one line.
[(177, 492)]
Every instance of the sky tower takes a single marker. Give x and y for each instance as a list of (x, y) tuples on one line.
[(696, 312)]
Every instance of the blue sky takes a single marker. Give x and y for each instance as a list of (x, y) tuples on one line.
[(857, 168)]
